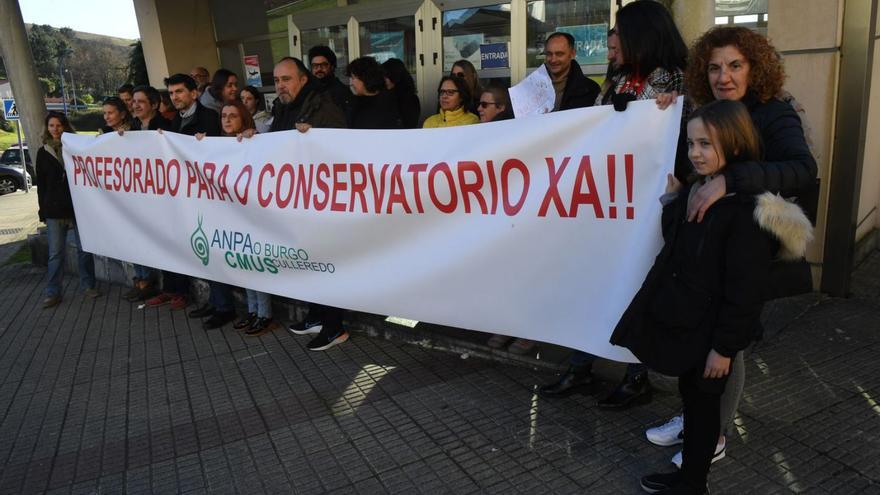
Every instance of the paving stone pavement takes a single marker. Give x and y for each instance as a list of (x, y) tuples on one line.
[(97, 396)]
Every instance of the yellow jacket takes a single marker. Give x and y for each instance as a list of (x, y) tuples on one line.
[(451, 119)]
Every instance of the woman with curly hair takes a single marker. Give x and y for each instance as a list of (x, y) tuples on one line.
[(373, 105), (736, 63)]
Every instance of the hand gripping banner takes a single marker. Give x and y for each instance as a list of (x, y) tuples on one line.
[(541, 227)]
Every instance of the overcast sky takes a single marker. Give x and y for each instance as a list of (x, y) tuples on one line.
[(108, 17)]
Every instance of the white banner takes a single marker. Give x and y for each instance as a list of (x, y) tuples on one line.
[(541, 227)]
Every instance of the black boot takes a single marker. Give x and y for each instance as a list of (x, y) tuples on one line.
[(634, 389), (574, 378)]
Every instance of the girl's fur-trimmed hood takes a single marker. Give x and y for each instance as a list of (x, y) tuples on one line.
[(787, 222)]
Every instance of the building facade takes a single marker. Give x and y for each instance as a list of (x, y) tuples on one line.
[(504, 40)]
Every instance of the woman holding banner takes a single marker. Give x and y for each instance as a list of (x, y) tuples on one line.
[(735, 63), (651, 61), (56, 209), (234, 120)]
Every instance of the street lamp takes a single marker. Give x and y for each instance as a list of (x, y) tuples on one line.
[(72, 86), (61, 55)]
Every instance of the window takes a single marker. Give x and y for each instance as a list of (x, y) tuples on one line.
[(390, 38), (587, 20), (336, 37), (480, 35), (746, 13)]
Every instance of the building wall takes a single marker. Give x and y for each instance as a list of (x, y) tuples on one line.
[(177, 35), (869, 198), (812, 59)]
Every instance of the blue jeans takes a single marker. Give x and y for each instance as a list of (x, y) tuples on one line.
[(581, 358), (58, 229), (143, 272), (259, 303)]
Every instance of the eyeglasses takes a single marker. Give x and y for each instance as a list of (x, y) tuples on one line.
[(320, 65), (458, 74), (447, 92), (484, 104)]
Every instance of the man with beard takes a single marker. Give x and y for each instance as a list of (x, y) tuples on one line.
[(302, 106), (322, 60)]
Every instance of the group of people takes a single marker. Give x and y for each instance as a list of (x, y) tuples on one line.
[(742, 149)]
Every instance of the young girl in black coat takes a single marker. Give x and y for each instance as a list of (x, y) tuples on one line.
[(701, 302)]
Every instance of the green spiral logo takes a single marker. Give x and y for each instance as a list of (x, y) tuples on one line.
[(199, 243)]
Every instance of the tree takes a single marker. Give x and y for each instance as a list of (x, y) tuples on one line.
[(48, 85), (137, 66)]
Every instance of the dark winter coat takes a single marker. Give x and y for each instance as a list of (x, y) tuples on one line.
[(788, 167), (53, 192), (339, 92), (312, 107), (704, 291), (506, 114), (205, 120), (374, 112), (409, 108), (157, 122), (580, 91)]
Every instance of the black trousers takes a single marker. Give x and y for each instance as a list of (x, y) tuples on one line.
[(330, 318), (175, 283), (702, 424)]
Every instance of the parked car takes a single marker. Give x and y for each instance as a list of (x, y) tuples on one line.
[(11, 169), (12, 178), (12, 156)]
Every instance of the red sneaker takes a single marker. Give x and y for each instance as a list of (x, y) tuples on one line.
[(160, 300), (178, 303)]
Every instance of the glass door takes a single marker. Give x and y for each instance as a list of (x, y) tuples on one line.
[(480, 35)]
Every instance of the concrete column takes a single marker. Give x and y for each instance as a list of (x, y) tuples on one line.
[(177, 35), (693, 17), (20, 67)]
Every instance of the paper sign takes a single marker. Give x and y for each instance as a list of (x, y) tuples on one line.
[(534, 94)]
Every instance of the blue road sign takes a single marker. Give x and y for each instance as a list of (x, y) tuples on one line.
[(10, 110)]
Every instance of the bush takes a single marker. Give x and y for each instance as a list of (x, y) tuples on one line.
[(88, 120), (87, 99)]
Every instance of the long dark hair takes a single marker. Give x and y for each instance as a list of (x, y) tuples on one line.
[(65, 124), (219, 81), (649, 39), (396, 72)]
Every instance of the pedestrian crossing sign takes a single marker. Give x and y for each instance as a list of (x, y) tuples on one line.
[(10, 110)]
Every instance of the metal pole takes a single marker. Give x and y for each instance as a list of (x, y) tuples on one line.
[(61, 74), (72, 87), (24, 172)]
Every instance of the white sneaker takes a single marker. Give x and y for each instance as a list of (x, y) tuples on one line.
[(720, 453), (669, 433)]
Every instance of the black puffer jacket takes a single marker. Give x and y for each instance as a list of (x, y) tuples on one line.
[(53, 192), (788, 167), (580, 91), (705, 290)]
